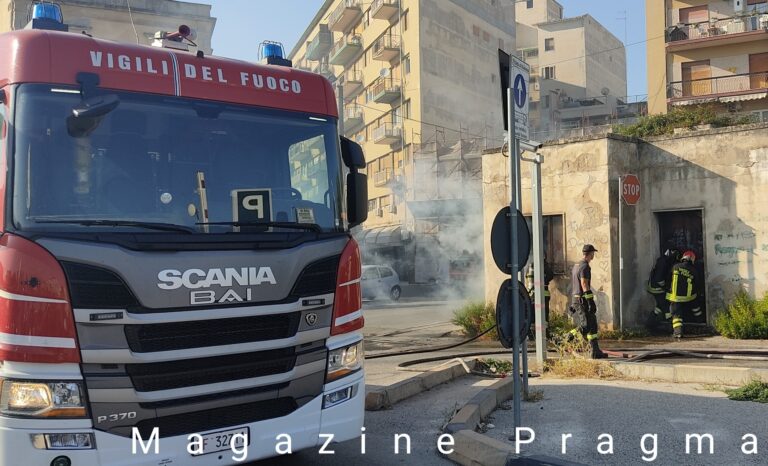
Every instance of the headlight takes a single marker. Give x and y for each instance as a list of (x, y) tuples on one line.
[(344, 361), (41, 399)]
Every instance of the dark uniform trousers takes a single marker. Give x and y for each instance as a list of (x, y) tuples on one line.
[(584, 315)]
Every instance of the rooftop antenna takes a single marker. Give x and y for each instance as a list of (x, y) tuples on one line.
[(624, 18)]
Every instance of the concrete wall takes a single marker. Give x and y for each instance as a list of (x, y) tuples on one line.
[(109, 19), (460, 89), (723, 173)]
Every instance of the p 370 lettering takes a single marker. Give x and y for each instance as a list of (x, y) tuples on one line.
[(116, 417)]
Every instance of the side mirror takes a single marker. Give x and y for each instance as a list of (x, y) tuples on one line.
[(95, 107), (87, 115), (357, 198), (352, 154)]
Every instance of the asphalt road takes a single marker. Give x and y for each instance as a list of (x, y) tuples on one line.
[(628, 410), (421, 417)]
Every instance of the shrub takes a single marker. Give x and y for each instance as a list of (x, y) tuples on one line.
[(475, 318), (559, 323), (745, 318), (755, 390), (663, 124)]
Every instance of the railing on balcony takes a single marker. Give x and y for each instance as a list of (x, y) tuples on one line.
[(384, 9), (381, 178), (321, 44), (345, 15), (387, 133), (326, 70), (733, 84), (345, 49), (719, 28), (353, 117), (386, 47), (353, 83), (385, 90)]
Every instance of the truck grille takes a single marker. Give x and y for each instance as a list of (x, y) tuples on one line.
[(202, 371), (317, 278), (199, 334), (201, 421), (97, 288)]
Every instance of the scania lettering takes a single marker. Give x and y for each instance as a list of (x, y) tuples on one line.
[(176, 256)]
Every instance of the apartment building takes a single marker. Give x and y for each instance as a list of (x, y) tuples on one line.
[(708, 52), (417, 78), (578, 70), (110, 19)]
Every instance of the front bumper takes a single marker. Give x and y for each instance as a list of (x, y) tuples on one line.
[(304, 427)]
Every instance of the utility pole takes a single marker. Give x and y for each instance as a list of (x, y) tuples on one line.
[(514, 174)]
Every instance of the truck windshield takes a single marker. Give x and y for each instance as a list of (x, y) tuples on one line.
[(170, 164)]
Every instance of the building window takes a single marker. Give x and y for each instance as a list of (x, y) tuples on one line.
[(407, 64), (372, 204), (529, 4), (546, 101), (549, 72), (404, 21), (549, 44), (407, 109), (554, 242), (533, 106), (475, 31), (367, 19), (486, 36)]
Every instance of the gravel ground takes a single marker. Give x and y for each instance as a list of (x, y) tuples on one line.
[(628, 410)]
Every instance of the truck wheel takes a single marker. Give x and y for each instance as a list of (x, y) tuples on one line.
[(394, 294)]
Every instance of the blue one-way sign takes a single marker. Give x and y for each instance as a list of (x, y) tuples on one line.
[(519, 76)]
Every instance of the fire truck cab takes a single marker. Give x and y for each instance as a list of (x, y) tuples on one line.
[(177, 277)]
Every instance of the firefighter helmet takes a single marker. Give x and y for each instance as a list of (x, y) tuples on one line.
[(689, 256)]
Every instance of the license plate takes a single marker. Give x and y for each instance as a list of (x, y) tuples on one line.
[(220, 441)]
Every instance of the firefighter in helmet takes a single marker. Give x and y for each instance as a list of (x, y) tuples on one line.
[(657, 287), (681, 292), (583, 308)]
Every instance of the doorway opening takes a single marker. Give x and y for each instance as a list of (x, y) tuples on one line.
[(684, 230)]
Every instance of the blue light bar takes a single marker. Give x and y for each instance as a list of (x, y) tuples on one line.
[(50, 11), (271, 49)]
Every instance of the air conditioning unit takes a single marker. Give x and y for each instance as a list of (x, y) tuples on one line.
[(738, 5)]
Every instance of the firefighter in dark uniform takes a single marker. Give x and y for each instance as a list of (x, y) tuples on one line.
[(681, 292), (657, 287), (583, 308), (529, 283)]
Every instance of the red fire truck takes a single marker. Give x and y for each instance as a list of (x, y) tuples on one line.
[(177, 278)]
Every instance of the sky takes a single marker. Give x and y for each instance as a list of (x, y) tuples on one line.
[(243, 24)]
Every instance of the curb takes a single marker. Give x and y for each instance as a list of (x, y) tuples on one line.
[(379, 398), (472, 448), (691, 373)]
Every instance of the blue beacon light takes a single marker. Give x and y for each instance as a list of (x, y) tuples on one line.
[(49, 11), (272, 53)]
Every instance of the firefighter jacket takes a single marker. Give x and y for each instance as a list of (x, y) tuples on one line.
[(657, 281), (683, 286)]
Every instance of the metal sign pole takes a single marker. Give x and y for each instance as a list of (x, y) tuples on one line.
[(514, 167), (621, 260), (538, 269)]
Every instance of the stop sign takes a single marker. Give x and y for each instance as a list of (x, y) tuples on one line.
[(630, 189)]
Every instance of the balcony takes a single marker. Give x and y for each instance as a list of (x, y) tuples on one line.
[(346, 15), (353, 118), (353, 84), (734, 30), (387, 133), (385, 9), (725, 89), (381, 178), (325, 70), (386, 48), (319, 47), (346, 49), (385, 91)]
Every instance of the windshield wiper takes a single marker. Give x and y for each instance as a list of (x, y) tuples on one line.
[(124, 223), (296, 226)]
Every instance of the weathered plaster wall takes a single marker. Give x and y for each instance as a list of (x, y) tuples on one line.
[(723, 172)]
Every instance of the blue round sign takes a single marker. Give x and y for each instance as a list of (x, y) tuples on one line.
[(520, 91)]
